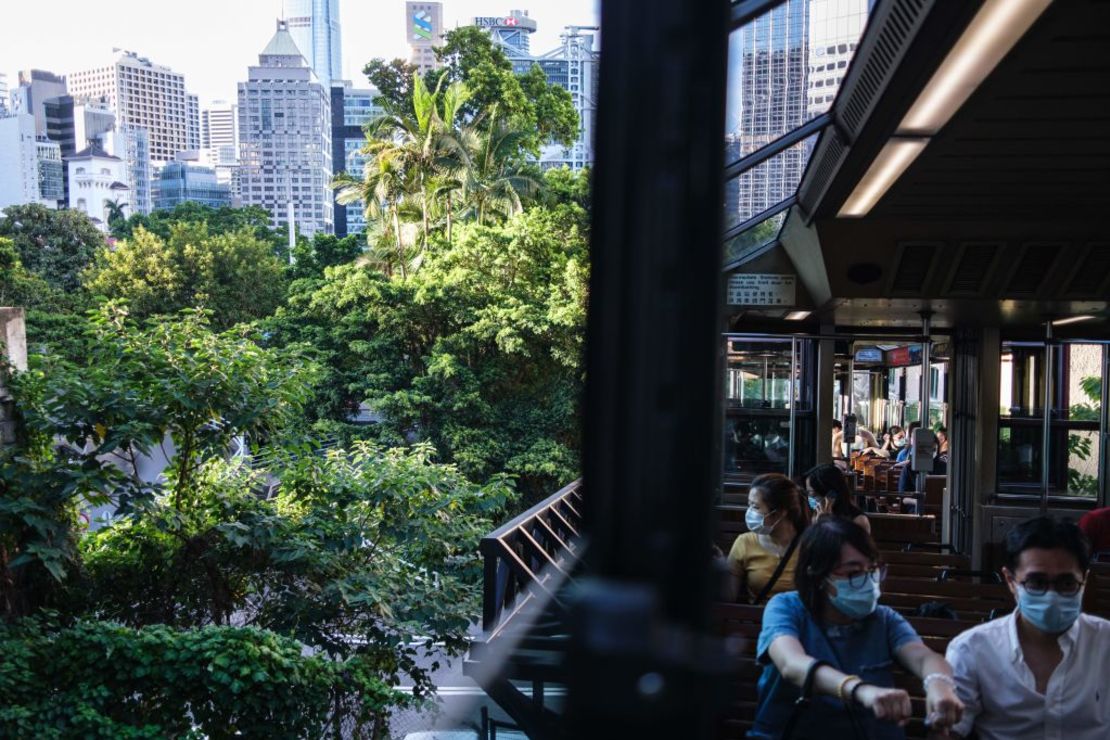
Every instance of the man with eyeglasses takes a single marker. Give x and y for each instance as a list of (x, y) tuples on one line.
[(1043, 671)]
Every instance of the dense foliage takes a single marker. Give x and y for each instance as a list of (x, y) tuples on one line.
[(55, 245), (97, 679), (234, 274), (366, 555), (478, 351), (528, 103), (268, 567)]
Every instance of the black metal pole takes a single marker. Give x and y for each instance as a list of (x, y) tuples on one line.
[(639, 618)]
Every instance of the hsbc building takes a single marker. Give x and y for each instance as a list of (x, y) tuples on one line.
[(511, 32)]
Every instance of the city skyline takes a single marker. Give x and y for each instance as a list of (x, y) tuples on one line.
[(370, 30)]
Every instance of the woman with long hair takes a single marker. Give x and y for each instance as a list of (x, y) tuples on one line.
[(832, 635), (761, 561), (830, 495)]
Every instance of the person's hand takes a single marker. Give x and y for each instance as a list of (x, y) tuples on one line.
[(943, 708), (889, 704)]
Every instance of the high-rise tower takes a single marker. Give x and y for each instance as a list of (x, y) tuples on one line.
[(285, 138), (424, 32), (145, 95), (314, 26)]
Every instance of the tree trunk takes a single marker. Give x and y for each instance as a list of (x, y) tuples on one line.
[(400, 244), (450, 207)]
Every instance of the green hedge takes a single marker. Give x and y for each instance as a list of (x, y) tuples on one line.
[(97, 679)]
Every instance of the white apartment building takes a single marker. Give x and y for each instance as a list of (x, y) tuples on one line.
[(146, 95), (19, 168), (285, 138), (96, 178)]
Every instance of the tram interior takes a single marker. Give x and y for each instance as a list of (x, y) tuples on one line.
[(941, 262)]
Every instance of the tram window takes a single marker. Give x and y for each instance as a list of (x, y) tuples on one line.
[(1075, 423), (762, 383)]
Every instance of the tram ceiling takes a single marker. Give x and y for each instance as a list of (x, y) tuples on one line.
[(1001, 214)]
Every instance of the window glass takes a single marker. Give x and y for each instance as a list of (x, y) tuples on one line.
[(767, 184), (780, 61), (1075, 428), (751, 239)]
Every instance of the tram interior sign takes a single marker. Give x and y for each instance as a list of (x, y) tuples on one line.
[(761, 289)]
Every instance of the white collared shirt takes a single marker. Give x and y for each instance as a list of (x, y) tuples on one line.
[(1000, 693)]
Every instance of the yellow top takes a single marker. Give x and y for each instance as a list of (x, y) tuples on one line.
[(755, 564)]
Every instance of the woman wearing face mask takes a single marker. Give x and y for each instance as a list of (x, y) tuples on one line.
[(761, 561), (828, 494), (832, 634)]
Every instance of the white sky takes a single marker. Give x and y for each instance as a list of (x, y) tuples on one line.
[(212, 42)]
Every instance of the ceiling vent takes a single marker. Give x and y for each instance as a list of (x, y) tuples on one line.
[(973, 265), (915, 266), (1093, 271), (897, 30), (1031, 270)]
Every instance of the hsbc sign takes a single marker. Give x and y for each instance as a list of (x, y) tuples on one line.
[(491, 21)]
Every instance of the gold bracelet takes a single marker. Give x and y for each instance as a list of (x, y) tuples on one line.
[(843, 683)]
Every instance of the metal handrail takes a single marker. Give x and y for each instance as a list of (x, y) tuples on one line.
[(521, 555)]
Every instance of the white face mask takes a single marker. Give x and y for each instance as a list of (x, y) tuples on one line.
[(758, 522)]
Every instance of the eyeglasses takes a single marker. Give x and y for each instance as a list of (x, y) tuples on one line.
[(1064, 585), (874, 574)]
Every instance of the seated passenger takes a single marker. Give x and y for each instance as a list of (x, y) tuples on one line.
[(893, 441), (903, 457), (775, 519), (1096, 526), (830, 495), (834, 626), (1041, 671)]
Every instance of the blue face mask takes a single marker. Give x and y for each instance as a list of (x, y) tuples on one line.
[(1049, 612), (814, 503), (757, 522), (854, 601)]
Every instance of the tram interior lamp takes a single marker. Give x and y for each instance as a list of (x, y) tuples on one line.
[(895, 157), (984, 43), (1072, 320), (797, 315)]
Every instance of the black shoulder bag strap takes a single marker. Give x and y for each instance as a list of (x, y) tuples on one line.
[(803, 700), (766, 590)]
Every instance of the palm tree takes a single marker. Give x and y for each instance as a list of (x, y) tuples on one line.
[(424, 144), (114, 210), (382, 189), (498, 183)]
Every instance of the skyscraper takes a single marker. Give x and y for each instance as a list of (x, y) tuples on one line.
[(512, 32), (785, 68), (19, 161), (285, 137), (36, 86), (351, 110), (424, 31), (219, 139), (147, 95), (574, 67), (5, 108), (314, 26), (192, 122)]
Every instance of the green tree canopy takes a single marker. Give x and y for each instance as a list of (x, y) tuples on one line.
[(55, 245), (222, 220), (234, 274), (527, 102), (477, 352)]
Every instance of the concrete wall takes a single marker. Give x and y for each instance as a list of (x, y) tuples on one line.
[(13, 346)]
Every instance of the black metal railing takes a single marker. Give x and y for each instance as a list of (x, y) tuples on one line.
[(530, 553)]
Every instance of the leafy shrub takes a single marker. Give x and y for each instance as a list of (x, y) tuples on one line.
[(98, 679)]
